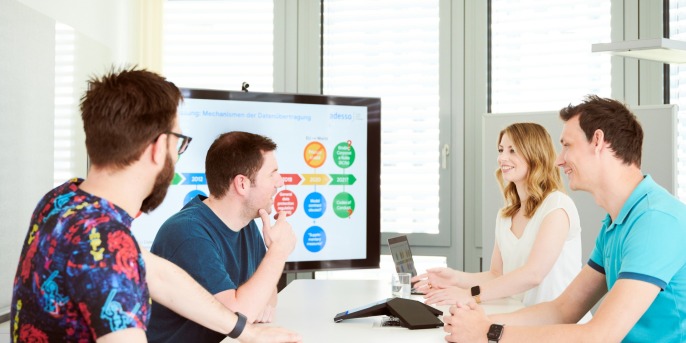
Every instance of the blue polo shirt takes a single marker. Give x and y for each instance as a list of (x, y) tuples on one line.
[(647, 242)]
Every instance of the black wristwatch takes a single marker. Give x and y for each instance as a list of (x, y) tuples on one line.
[(240, 325), (476, 294), (495, 332)]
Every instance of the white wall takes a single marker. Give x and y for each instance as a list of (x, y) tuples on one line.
[(27, 64), (108, 22), (26, 127)]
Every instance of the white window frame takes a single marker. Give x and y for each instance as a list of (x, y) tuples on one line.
[(298, 24), (681, 139)]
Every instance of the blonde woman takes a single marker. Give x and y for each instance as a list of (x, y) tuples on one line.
[(537, 248)]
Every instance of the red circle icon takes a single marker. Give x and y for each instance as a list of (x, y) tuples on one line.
[(286, 201)]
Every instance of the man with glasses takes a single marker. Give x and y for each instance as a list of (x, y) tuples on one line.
[(216, 240), (81, 275)]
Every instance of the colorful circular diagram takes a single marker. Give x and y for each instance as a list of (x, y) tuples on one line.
[(192, 194), (314, 239), (286, 201), (343, 205), (314, 205), (344, 154), (315, 154)]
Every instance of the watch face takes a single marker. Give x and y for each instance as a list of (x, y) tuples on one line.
[(476, 290), (494, 332)]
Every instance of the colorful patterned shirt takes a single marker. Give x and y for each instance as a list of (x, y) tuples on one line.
[(81, 274)]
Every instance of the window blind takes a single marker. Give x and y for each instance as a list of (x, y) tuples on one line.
[(65, 104), (219, 44), (677, 91), (390, 49), (541, 56)]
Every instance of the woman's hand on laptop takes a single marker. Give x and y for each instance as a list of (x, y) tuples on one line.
[(435, 278), (421, 282)]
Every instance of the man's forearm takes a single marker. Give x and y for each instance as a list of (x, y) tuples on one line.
[(540, 314), (257, 292), (563, 333), (172, 287), (584, 292), (274, 300)]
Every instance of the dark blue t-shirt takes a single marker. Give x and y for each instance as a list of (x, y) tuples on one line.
[(217, 257)]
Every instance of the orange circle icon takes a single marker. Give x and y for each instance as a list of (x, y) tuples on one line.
[(315, 154)]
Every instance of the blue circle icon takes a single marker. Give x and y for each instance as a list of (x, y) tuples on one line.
[(191, 195), (314, 239), (314, 205)]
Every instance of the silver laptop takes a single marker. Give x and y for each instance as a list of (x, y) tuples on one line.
[(402, 256)]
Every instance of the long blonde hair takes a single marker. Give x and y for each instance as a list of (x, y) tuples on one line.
[(534, 145)]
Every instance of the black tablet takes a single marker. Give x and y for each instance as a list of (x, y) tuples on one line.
[(377, 308), (412, 314)]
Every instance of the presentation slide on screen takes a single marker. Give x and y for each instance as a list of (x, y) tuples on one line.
[(322, 158)]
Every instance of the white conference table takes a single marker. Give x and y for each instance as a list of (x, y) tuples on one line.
[(308, 307)]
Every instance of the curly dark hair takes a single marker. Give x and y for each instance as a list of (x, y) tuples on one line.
[(123, 112)]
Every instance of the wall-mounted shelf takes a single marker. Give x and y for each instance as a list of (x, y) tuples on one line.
[(658, 49)]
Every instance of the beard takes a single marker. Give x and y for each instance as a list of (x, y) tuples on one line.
[(159, 189), (253, 205)]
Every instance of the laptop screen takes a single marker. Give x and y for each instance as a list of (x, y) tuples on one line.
[(402, 255)]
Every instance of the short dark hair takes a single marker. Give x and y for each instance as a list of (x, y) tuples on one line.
[(123, 111), (619, 125), (231, 154)]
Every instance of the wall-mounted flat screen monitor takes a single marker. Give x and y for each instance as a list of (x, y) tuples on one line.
[(329, 157)]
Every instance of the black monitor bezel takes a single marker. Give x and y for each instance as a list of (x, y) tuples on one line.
[(373, 251)]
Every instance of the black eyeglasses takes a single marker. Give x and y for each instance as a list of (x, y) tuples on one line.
[(184, 141)]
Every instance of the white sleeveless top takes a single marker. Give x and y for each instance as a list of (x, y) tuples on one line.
[(515, 251)]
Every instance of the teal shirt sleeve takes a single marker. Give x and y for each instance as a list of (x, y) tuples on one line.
[(596, 259), (654, 249)]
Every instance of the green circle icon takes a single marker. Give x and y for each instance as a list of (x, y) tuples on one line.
[(343, 205), (344, 154)]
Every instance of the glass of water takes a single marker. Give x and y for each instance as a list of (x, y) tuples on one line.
[(400, 285)]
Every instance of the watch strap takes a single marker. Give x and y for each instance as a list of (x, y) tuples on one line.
[(240, 325)]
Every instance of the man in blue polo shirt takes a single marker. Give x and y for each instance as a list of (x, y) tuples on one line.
[(639, 261)]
